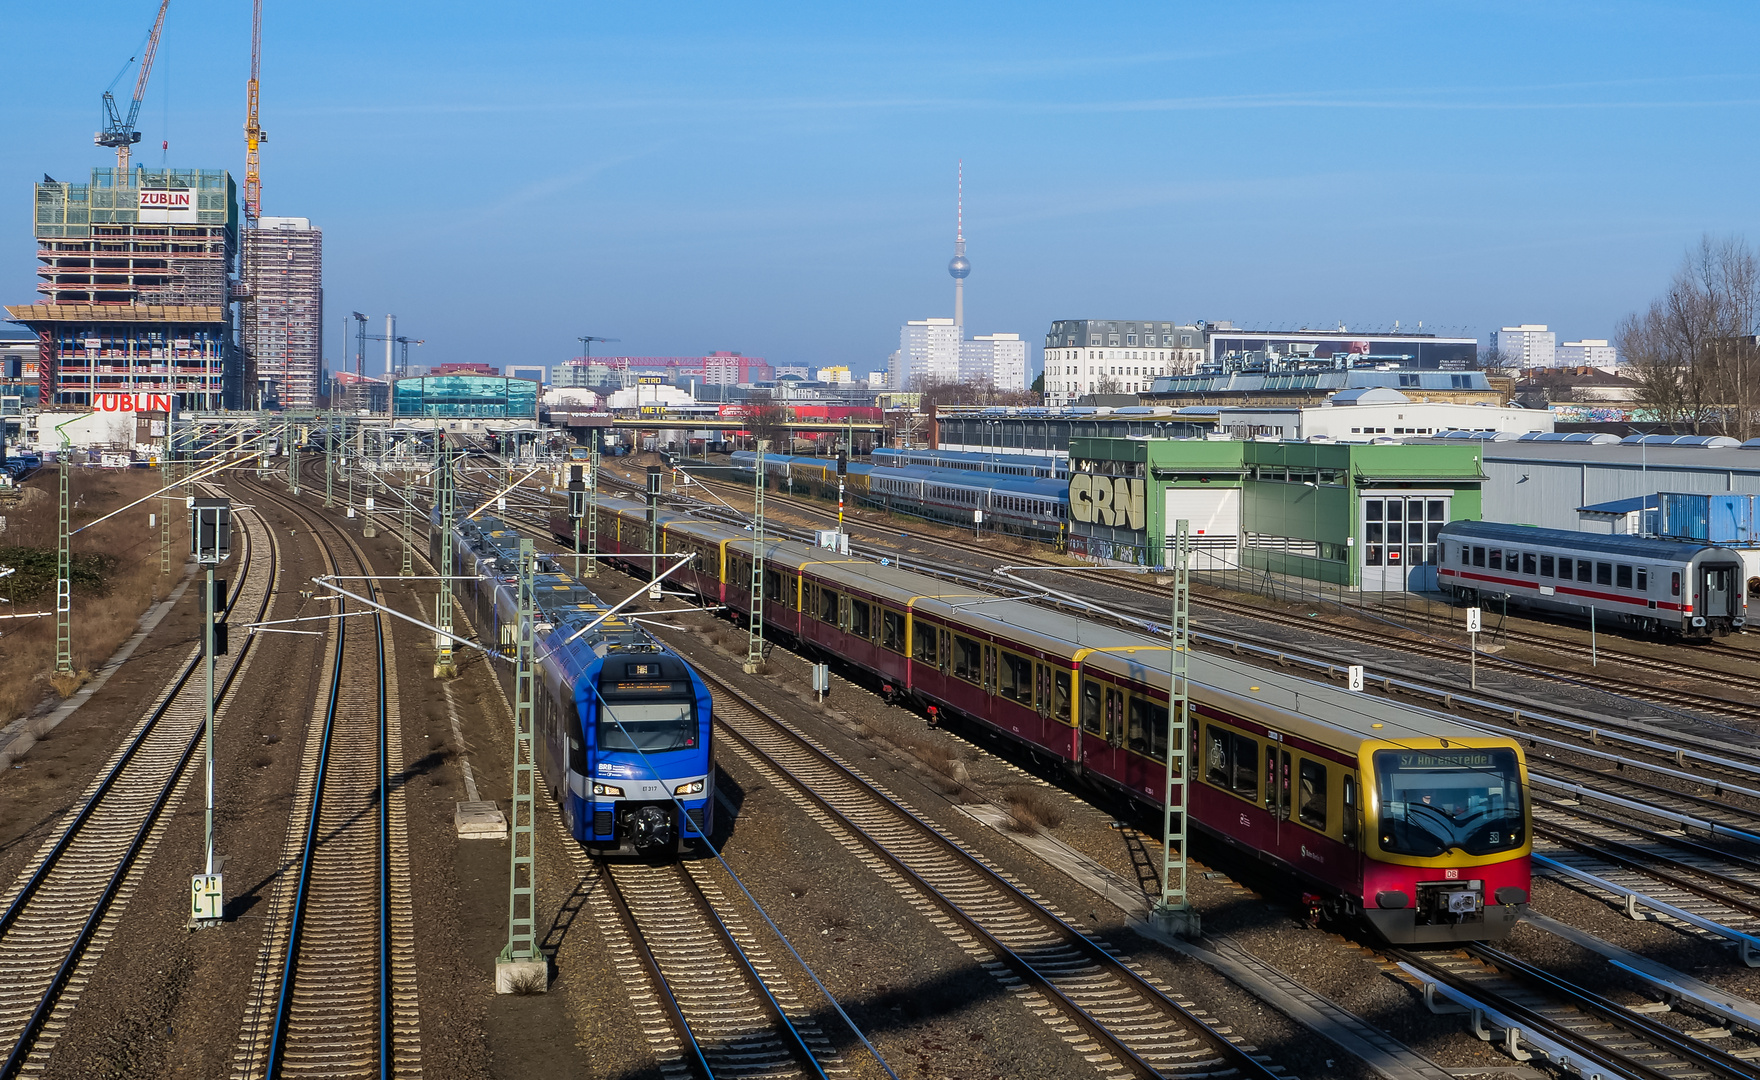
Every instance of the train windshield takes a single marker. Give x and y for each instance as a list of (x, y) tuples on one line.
[(652, 727), (1436, 800)]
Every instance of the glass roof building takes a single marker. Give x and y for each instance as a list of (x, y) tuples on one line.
[(469, 397)]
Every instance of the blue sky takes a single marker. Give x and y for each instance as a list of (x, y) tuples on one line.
[(778, 179)]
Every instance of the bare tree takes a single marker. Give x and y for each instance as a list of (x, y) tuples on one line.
[(1107, 384), (765, 418), (1498, 362), (1693, 351)]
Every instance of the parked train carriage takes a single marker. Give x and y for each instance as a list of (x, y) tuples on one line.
[(1690, 589), (1001, 463), (622, 726), (1017, 505)]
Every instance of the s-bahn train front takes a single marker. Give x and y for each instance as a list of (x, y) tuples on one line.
[(1446, 852), (643, 751)]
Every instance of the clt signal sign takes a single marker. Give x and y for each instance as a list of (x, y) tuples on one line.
[(121, 403), (167, 204)]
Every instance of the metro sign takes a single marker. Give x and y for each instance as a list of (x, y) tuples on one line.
[(123, 403)]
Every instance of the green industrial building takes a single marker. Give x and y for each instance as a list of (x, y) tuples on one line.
[(1355, 515)]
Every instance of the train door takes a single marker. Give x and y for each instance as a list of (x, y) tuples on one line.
[(1277, 796), (1717, 593)]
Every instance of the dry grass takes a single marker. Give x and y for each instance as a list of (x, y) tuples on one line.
[(1031, 810), (527, 983), (107, 608)]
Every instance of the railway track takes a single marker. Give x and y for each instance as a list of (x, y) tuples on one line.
[(334, 990), (62, 912), (1122, 1020), (1599, 1033), (727, 1003)]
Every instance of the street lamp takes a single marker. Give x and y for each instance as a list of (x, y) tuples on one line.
[(210, 538)]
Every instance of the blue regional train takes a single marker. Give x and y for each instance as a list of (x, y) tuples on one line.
[(622, 724), (1035, 508)]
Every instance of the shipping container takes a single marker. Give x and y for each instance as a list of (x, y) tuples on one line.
[(1714, 519)]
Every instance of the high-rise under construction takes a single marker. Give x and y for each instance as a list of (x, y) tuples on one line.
[(284, 310), (136, 272)]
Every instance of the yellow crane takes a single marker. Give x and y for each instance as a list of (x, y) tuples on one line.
[(253, 132), (118, 132)]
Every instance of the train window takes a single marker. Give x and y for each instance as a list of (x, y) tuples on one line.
[(1529, 564), (1348, 796), (1604, 573), (1060, 696), (1114, 716), (1091, 706), (892, 631), (772, 584), (1545, 566), (1478, 556), (1017, 678), (860, 621), (923, 643), (1311, 800), (968, 659), (1246, 777), (1137, 728), (1585, 570), (1496, 559), (1643, 580), (1216, 768), (1622, 576), (1674, 584), (827, 606)]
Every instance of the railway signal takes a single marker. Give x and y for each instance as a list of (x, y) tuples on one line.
[(210, 540)]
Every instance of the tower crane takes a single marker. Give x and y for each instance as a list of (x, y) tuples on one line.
[(118, 132), (253, 132), (588, 342)]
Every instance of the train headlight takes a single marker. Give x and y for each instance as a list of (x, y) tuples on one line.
[(608, 789), (695, 787)]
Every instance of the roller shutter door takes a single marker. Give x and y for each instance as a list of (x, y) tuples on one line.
[(1215, 516)]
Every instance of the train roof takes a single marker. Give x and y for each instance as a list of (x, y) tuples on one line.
[(1310, 708), (1307, 707), (1626, 545), (1045, 487)]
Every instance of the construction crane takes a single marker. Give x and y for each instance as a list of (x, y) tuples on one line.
[(253, 132), (118, 132), (588, 342)]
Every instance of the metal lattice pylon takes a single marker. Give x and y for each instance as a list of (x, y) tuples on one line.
[(522, 895), (1175, 905), (291, 433), (444, 665), (330, 461), (592, 510), (167, 477), (63, 572), (755, 630)]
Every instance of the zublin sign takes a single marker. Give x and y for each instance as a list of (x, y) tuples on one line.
[(122, 403), (167, 204)]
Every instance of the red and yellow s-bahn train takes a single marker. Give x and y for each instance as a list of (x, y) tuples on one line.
[(1404, 818)]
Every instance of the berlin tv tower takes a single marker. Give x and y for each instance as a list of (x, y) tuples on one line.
[(959, 267)]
